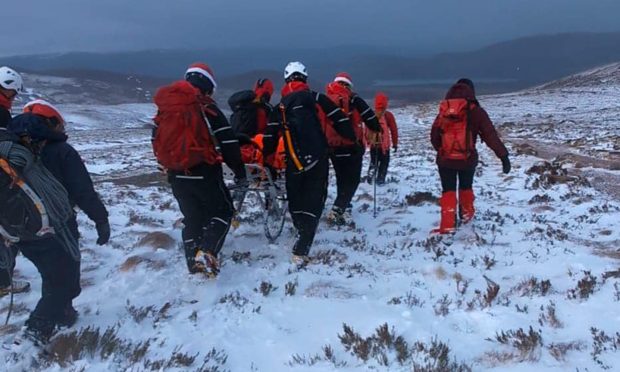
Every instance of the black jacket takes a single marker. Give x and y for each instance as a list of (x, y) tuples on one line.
[(309, 140), (65, 163), (5, 117)]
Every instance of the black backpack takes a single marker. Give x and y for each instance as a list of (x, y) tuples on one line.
[(23, 216), (303, 134), (245, 113)]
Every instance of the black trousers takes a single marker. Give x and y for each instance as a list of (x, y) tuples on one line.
[(306, 194), (5, 275), (380, 160), (60, 277), (206, 205), (347, 165), (449, 178)]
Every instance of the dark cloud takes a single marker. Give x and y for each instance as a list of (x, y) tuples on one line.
[(43, 26)]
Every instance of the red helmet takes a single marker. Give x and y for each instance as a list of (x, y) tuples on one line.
[(43, 108), (262, 87), (343, 77)]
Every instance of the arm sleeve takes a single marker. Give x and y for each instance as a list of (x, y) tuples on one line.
[(227, 140), (367, 114), (80, 187), (488, 133), (391, 122), (272, 136), (436, 135), (340, 120)]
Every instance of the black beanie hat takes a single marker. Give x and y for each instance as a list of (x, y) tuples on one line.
[(467, 82)]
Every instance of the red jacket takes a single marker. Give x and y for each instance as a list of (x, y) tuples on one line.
[(479, 125)]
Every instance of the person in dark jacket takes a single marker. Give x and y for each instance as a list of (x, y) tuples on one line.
[(203, 198), (251, 113), (299, 117), (65, 163), (11, 85), (46, 129), (451, 170), (57, 256), (347, 156)]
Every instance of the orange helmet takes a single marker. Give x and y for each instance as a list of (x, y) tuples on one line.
[(43, 108)]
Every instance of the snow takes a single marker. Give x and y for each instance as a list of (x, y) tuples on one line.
[(386, 270)]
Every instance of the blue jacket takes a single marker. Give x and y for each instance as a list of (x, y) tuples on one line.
[(65, 163)]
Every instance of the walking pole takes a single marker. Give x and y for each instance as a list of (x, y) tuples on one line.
[(374, 183)]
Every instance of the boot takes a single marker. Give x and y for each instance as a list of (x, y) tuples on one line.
[(19, 286), (191, 250), (207, 263), (448, 213), (336, 216), (39, 330), (69, 317), (466, 205)]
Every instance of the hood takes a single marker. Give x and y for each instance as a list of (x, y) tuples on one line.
[(36, 127), (335, 88), (263, 87), (381, 101), (461, 90), (294, 86), (5, 102)]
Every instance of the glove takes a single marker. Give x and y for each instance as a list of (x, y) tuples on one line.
[(395, 148), (506, 164), (103, 232)]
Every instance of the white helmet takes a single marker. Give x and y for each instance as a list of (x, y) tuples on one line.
[(10, 79), (295, 67)]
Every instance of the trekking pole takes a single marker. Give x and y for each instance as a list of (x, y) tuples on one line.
[(374, 184)]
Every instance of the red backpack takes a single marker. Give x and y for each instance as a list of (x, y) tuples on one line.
[(341, 96), (456, 139), (183, 138)]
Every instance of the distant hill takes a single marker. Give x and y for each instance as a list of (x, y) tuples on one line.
[(501, 67), (599, 77)]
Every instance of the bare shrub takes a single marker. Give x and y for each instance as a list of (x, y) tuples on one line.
[(601, 342), (329, 257), (442, 306), (235, 299), (585, 287), (530, 287), (549, 316), (419, 198), (290, 288), (138, 314), (527, 344), (409, 299), (491, 293), (265, 288), (559, 350), (241, 257), (436, 358), (326, 356)]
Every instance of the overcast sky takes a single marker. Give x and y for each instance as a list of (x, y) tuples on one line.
[(43, 26)]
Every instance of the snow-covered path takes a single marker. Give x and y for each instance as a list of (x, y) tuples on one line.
[(529, 285)]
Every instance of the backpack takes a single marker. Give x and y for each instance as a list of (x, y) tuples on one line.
[(303, 134), (244, 118), (183, 138), (342, 97), (23, 217), (456, 139)]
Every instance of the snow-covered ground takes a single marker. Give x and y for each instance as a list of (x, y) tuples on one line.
[(531, 285)]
